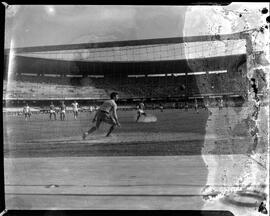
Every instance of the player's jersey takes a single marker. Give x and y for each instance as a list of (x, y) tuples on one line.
[(141, 106), (75, 106), (26, 109), (52, 108), (221, 103), (108, 106), (63, 107)]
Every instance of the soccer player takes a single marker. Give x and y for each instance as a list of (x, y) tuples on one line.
[(106, 113), (140, 111), (62, 111), (220, 104), (27, 112), (75, 106), (196, 106), (161, 108), (91, 108), (52, 111)]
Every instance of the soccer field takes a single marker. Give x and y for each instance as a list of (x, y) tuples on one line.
[(155, 165), (42, 137)]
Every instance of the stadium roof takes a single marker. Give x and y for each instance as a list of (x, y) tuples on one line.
[(235, 36)]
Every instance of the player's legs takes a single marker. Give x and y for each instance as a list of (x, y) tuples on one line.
[(110, 130), (138, 116), (112, 123), (94, 128), (75, 113), (51, 113), (63, 114)]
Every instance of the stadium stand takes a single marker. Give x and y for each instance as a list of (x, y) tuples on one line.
[(50, 72)]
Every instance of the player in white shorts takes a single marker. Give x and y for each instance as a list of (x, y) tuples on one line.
[(75, 107), (91, 108), (52, 111), (106, 113), (62, 111), (27, 112), (220, 104), (140, 111)]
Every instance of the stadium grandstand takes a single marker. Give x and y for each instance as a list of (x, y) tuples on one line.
[(172, 69)]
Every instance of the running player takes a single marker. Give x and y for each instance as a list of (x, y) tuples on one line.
[(52, 111), (62, 111), (106, 113), (75, 106), (140, 111), (27, 112)]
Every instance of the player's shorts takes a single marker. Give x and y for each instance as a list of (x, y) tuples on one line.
[(140, 111), (52, 111), (75, 110), (63, 111), (103, 116)]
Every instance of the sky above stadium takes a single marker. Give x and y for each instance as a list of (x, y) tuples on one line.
[(41, 25)]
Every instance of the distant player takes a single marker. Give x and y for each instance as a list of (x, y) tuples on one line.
[(160, 107), (106, 113), (52, 111), (27, 112), (62, 111), (91, 108), (220, 105), (196, 106), (75, 107), (140, 111)]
